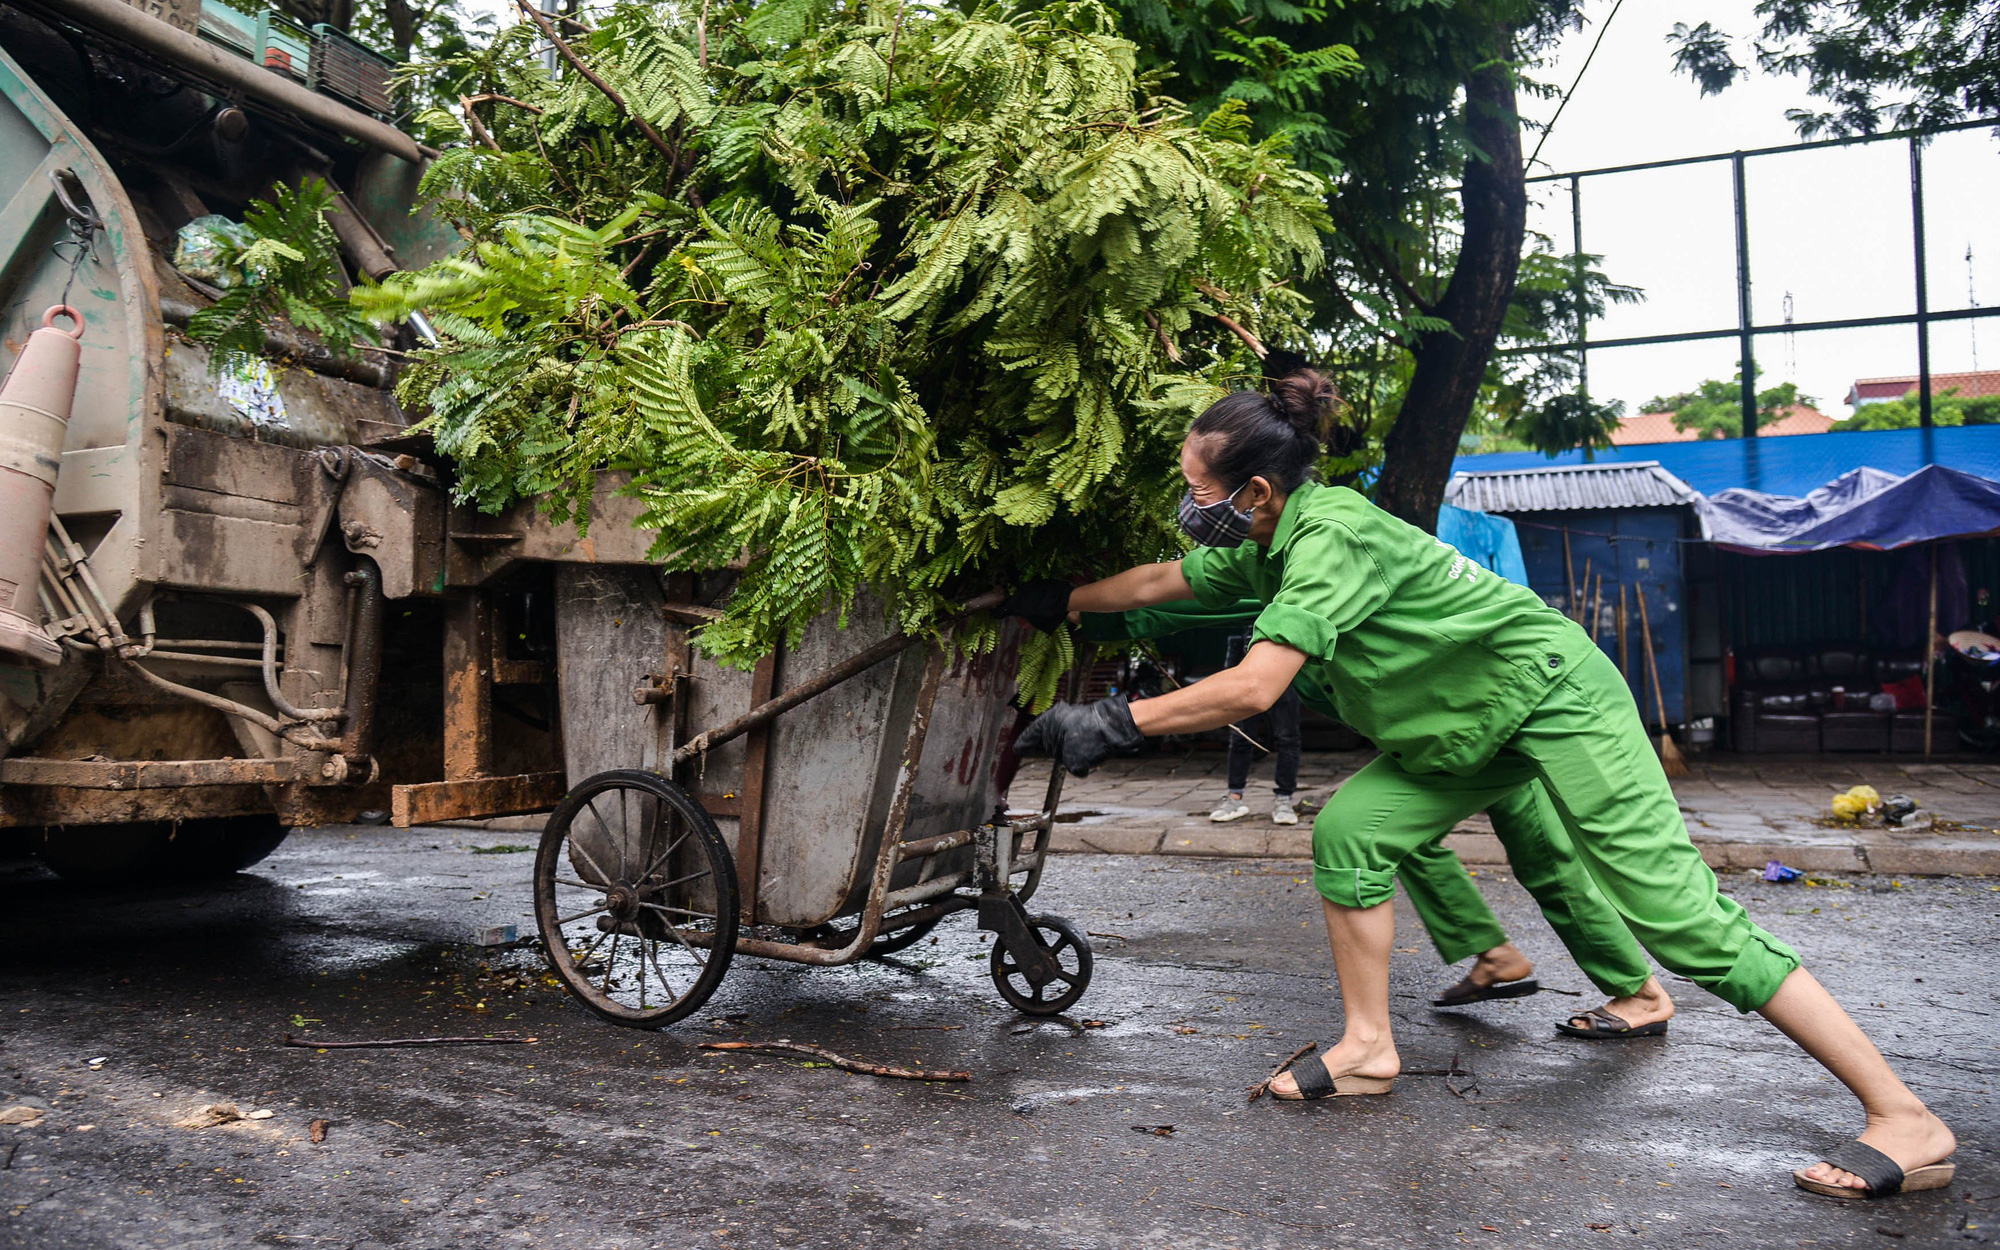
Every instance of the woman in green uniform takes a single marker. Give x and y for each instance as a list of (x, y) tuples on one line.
[(1473, 689), (1454, 914)]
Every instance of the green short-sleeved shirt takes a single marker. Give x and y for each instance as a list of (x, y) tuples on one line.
[(1432, 657)]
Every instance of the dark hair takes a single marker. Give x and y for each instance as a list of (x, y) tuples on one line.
[(1275, 435)]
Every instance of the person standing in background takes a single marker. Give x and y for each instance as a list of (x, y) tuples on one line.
[(1275, 732)]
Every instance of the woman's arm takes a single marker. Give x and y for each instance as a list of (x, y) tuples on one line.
[(1227, 697), (1134, 588)]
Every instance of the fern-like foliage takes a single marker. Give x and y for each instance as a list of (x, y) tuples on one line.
[(899, 310), (291, 272)]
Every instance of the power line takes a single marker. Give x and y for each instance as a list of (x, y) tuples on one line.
[(1577, 81)]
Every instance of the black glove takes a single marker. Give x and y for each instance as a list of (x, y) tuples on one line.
[(1082, 736), (1045, 604)]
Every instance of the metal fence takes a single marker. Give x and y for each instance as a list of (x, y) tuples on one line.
[(1746, 331)]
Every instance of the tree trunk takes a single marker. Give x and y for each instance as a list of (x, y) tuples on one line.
[(1450, 364)]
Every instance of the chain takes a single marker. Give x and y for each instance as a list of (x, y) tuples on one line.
[(84, 225)]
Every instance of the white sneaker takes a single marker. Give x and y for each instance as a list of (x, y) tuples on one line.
[(1281, 810), (1231, 808)]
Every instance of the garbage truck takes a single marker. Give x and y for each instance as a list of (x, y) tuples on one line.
[(236, 594)]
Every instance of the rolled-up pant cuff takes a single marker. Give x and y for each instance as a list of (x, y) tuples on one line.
[(1459, 946), (1354, 887), (1756, 974)]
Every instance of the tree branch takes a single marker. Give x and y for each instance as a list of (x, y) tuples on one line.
[(576, 62), (1249, 340), (839, 1061), (484, 96), (479, 130), (1166, 344)]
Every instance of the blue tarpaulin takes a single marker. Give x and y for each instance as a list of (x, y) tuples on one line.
[(1790, 465), (1861, 508), (1490, 541)]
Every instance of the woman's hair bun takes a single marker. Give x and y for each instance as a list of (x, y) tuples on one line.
[(1306, 400)]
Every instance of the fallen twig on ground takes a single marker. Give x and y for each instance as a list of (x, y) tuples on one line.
[(322, 1044), (1258, 1090), (824, 1055)]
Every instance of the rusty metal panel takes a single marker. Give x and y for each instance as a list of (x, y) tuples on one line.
[(483, 547), (397, 520), (611, 631), (474, 798), (268, 402), (468, 689), (106, 452), (143, 774), (32, 806)]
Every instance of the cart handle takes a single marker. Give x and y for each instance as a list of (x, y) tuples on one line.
[(854, 666)]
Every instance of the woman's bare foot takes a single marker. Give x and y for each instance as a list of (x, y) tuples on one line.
[(1503, 963), (1649, 1005), (1912, 1136), (1354, 1056)]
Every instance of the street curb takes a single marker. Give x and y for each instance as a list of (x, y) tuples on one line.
[(1874, 852)]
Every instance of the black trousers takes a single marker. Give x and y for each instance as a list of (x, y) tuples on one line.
[(1277, 731)]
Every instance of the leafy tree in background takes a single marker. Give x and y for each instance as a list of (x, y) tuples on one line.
[(1895, 64), (1948, 408), (1412, 106), (1715, 409)]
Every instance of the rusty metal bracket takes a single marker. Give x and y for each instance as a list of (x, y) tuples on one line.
[(474, 798), (1001, 914), (658, 689)]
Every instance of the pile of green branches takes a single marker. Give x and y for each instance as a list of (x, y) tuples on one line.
[(866, 296)]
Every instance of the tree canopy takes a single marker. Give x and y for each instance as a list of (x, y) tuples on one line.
[(1877, 64), (1714, 409), (881, 296), (1947, 408), (1411, 106)]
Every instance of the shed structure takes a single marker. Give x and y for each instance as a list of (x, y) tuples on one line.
[(1589, 531)]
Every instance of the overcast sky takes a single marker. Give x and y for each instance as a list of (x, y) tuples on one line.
[(1829, 228)]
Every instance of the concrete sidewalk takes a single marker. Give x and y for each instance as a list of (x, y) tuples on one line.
[(1741, 811)]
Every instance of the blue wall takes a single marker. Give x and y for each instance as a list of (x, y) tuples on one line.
[(1792, 465), (1638, 548)]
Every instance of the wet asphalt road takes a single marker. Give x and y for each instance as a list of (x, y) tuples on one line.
[(599, 1136)]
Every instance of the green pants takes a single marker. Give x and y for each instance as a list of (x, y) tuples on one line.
[(1461, 924), (1596, 766)]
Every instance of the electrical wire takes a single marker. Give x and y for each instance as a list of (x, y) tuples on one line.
[(1574, 84)]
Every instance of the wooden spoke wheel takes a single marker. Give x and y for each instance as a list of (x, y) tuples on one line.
[(635, 896)]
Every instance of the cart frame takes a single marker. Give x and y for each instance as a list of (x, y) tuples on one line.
[(1003, 849)]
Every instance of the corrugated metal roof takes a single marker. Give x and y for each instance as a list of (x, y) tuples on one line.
[(1566, 488)]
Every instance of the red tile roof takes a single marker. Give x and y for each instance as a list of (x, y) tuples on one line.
[(1658, 427), (1968, 385)]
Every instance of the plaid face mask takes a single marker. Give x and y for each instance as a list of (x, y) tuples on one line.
[(1219, 524)]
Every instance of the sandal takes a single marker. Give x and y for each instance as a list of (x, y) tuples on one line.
[(1878, 1172), (1600, 1025), (1315, 1082), (1470, 991)]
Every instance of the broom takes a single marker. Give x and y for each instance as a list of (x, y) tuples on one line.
[(1670, 754)]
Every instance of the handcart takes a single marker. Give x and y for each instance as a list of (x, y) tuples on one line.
[(842, 816)]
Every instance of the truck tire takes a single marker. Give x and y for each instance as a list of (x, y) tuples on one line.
[(192, 850)]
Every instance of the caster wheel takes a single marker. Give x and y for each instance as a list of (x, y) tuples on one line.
[(1067, 949)]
